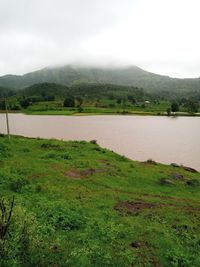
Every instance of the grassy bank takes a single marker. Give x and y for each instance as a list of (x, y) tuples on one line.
[(77, 204)]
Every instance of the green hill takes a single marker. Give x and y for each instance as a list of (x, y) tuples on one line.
[(129, 76)]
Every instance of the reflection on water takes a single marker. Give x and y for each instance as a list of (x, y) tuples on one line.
[(138, 137)]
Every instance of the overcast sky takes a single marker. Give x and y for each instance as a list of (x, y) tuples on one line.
[(161, 36)]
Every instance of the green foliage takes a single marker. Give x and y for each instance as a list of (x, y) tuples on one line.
[(2, 104), (18, 184), (130, 76), (64, 218), (69, 101), (44, 91), (56, 156), (96, 208), (168, 111), (24, 102), (192, 105), (174, 107)]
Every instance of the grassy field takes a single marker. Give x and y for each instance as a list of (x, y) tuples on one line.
[(105, 106), (77, 204)]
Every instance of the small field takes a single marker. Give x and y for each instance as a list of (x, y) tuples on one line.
[(104, 107), (77, 204)]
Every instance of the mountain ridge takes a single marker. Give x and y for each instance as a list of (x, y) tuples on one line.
[(127, 76)]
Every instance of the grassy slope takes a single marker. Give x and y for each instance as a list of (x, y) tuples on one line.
[(70, 208)]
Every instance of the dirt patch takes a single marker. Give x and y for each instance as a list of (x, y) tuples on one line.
[(82, 174), (91, 171), (105, 162), (132, 207), (73, 174)]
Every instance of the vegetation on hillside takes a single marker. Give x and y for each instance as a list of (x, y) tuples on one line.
[(96, 98), (129, 76), (77, 204)]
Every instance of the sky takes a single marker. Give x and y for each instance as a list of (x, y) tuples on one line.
[(161, 36)]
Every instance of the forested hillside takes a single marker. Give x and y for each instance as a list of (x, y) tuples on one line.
[(129, 76)]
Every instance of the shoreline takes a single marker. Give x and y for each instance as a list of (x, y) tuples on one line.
[(65, 113)]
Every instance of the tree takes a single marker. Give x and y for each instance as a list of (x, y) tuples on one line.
[(119, 100), (79, 104), (131, 99), (124, 104), (192, 105), (69, 102), (24, 103), (174, 107), (168, 111), (2, 104)]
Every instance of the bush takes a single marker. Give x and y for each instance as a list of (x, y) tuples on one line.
[(65, 218), (18, 184), (69, 102), (93, 142)]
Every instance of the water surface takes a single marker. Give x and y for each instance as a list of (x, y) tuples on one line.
[(163, 139)]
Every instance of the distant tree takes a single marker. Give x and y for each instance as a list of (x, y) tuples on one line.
[(2, 104), (49, 98), (168, 111), (14, 107), (79, 101), (119, 100), (124, 104), (174, 107), (111, 96), (69, 102), (131, 99), (43, 94), (192, 105), (24, 102), (79, 104)]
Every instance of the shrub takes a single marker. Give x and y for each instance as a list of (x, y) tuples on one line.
[(64, 218), (93, 142), (18, 184), (69, 102)]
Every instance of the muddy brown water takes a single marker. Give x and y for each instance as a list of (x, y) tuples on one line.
[(162, 139)]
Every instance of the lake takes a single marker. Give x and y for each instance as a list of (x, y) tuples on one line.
[(163, 139)]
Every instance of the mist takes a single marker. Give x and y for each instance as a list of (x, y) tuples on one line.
[(160, 36)]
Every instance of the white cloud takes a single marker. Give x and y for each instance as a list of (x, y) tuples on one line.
[(159, 35)]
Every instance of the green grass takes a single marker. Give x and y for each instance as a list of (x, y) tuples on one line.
[(76, 205), (103, 106), (90, 108)]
